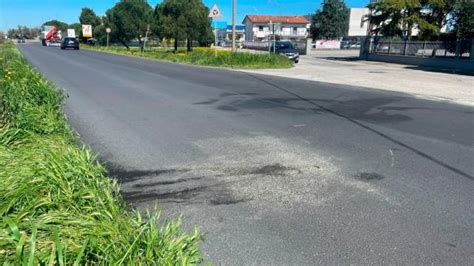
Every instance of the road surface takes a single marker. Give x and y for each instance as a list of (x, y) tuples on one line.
[(274, 170)]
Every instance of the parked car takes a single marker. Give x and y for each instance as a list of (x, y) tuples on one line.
[(287, 49), (69, 42), (350, 45)]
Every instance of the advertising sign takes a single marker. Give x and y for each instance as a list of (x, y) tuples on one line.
[(71, 33), (86, 31), (328, 44)]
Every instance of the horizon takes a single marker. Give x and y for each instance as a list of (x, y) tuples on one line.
[(33, 13)]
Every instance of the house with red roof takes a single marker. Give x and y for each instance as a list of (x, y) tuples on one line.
[(260, 28)]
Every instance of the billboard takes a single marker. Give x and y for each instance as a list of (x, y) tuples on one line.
[(71, 33), (86, 31)]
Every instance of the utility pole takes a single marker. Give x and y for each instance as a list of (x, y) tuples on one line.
[(234, 7)]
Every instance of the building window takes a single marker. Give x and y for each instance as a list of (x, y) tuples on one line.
[(260, 28), (295, 30)]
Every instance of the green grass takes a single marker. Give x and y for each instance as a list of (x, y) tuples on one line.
[(57, 206), (205, 57)]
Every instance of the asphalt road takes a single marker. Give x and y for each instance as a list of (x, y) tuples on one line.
[(273, 170)]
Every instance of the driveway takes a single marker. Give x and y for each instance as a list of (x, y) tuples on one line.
[(275, 170)]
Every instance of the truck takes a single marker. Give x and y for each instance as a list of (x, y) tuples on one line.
[(50, 36)]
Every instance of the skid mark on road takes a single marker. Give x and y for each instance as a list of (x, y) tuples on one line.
[(250, 169), (369, 128)]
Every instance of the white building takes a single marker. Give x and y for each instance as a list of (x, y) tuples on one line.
[(258, 28), (358, 23)]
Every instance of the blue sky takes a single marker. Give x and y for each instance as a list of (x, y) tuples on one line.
[(34, 12)]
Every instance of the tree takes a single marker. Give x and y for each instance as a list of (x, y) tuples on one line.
[(183, 20), (331, 21), (172, 20), (463, 19), (88, 17), (25, 32), (402, 18), (62, 26), (128, 20)]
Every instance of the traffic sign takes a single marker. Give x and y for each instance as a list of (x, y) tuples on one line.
[(108, 30), (215, 12)]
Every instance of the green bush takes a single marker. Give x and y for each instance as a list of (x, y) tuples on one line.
[(57, 206), (207, 57)]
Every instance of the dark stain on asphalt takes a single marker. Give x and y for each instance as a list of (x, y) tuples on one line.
[(213, 194), (124, 176), (369, 176), (226, 94), (226, 200), (227, 108), (180, 196), (450, 244), (168, 182), (210, 101), (272, 169)]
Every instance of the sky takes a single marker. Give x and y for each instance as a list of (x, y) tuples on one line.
[(35, 12)]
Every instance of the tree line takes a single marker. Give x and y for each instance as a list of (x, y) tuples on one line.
[(129, 20), (177, 20), (24, 31), (430, 19)]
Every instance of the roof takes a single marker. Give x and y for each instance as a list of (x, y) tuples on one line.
[(277, 19), (237, 27)]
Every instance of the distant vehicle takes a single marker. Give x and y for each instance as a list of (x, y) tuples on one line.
[(287, 49), (51, 36), (350, 44), (21, 40), (69, 42)]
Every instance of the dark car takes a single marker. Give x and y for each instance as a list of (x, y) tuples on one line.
[(287, 49), (69, 42), (21, 40)]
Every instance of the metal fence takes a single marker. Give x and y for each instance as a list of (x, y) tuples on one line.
[(449, 49)]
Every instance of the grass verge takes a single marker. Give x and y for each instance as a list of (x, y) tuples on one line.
[(204, 57), (57, 206)]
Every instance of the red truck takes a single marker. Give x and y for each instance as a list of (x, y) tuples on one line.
[(51, 36)]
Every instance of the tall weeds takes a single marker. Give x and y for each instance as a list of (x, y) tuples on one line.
[(207, 57), (57, 206)]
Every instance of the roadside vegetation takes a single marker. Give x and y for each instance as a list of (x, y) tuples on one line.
[(205, 57), (57, 206)]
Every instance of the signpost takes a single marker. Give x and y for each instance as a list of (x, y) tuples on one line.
[(108, 30), (215, 14)]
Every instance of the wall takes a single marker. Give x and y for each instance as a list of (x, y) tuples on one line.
[(463, 65)]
